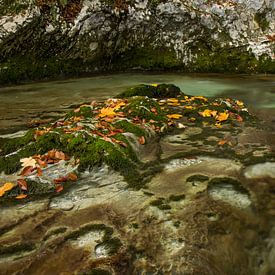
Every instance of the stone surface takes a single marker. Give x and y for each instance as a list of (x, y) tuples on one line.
[(112, 35)]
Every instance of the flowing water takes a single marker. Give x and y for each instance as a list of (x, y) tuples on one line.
[(21, 104)]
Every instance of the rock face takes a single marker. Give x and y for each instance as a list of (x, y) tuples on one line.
[(46, 38)]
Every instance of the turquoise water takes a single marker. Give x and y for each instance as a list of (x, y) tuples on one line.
[(20, 104)]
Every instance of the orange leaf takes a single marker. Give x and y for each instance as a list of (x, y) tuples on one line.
[(21, 196), (6, 187), (222, 142), (141, 140), (59, 188), (72, 176), (22, 184)]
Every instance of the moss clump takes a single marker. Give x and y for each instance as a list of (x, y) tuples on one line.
[(145, 108), (111, 243), (10, 145), (147, 58), (152, 91), (233, 60), (177, 197), (16, 248), (260, 18), (130, 127), (198, 177), (98, 271)]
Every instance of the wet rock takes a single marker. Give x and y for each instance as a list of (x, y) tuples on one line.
[(260, 170)]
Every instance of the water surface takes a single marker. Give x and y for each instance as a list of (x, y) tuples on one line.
[(23, 103)]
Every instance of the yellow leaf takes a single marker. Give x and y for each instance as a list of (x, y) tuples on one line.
[(107, 112), (239, 103), (154, 85), (189, 107), (6, 187), (173, 104), (206, 113), (176, 116), (222, 116), (119, 104), (173, 100), (200, 97)]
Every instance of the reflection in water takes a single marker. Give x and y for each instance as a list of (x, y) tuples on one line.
[(20, 104)]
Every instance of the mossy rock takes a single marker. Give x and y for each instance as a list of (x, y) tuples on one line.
[(153, 91)]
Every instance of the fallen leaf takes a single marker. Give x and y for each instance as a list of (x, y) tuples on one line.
[(21, 196), (208, 113), (28, 162), (222, 142), (173, 100), (22, 184), (107, 112), (239, 118), (60, 180), (27, 171), (39, 171), (222, 116), (59, 188), (6, 187), (72, 176), (154, 85), (176, 116), (141, 140), (181, 126)]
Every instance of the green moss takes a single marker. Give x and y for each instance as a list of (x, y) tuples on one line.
[(198, 177), (260, 18), (142, 107), (233, 60), (147, 58), (55, 231), (16, 248), (13, 6), (130, 127), (9, 145), (157, 202), (152, 91), (177, 197), (97, 271)]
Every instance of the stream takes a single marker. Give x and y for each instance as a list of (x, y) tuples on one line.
[(207, 208), (46, 100)]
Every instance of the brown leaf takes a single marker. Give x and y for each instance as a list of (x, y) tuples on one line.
[(21, 196), (60, 155), (41, 163), (72, 176), (39, 171), (27, 171), (22, 184), (142, 140)]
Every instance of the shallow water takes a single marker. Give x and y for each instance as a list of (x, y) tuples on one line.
[(23, 103)]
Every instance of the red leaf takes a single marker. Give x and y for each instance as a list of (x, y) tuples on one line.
[(59, 188), (22, 184), (60, 180)]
